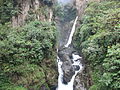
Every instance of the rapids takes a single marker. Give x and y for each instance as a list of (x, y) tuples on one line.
[(76, 65)]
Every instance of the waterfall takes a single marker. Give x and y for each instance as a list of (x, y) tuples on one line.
[(76, 63), (72, 32)]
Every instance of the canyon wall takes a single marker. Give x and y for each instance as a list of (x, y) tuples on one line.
[(40, 9)]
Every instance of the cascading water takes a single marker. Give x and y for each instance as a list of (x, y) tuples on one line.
[(69, 61), (75, 63), (72, 32)]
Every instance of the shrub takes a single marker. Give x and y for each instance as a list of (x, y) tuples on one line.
[(100, 29), (111, 67), (7, 10), (22, 49), (31, 43)]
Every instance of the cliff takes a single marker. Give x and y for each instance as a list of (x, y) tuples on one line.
[(32, 9)]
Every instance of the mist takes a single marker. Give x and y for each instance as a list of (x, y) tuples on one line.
[(65, 1)]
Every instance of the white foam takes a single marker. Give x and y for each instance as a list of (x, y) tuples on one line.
[(62, 86), (68, 86), (76, 61)]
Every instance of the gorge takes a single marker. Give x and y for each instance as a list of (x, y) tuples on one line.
[(69, 61), (59, 44), (69, 64)]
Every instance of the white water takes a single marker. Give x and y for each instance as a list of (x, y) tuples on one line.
[(76, 62), (69, 86), (72, 32)]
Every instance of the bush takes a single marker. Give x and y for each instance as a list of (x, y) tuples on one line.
[(5, 84), (22, 49), (111, 67), (100, 29), (7, 10), (31, 43)]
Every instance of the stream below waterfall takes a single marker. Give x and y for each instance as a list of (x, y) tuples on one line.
[(69, 61), (74, 62)]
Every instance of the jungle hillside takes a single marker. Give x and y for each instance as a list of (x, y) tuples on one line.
[(28, 44)]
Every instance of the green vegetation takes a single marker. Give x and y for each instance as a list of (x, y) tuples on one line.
[(111, 65), (27, 53), (7, 10), (22, 50), (31, 43), (98, 38)]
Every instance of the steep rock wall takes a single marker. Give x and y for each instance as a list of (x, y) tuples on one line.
[(82, 4), (36, 6)]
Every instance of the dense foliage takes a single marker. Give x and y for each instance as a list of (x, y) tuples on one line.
[(31, 43), (22, 50), (7, 10), (98, 38), (111, 65), (27, 53)]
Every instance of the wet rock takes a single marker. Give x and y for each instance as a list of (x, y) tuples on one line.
[(79, 83), (53, 87), (68, 71), (67, 76), (65, 55), (65, 58), (76, 68)]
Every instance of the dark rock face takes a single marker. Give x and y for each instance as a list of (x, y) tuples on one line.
[(68, 71), (26, 6), (76, 68), (65, 55), (67, 68)]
